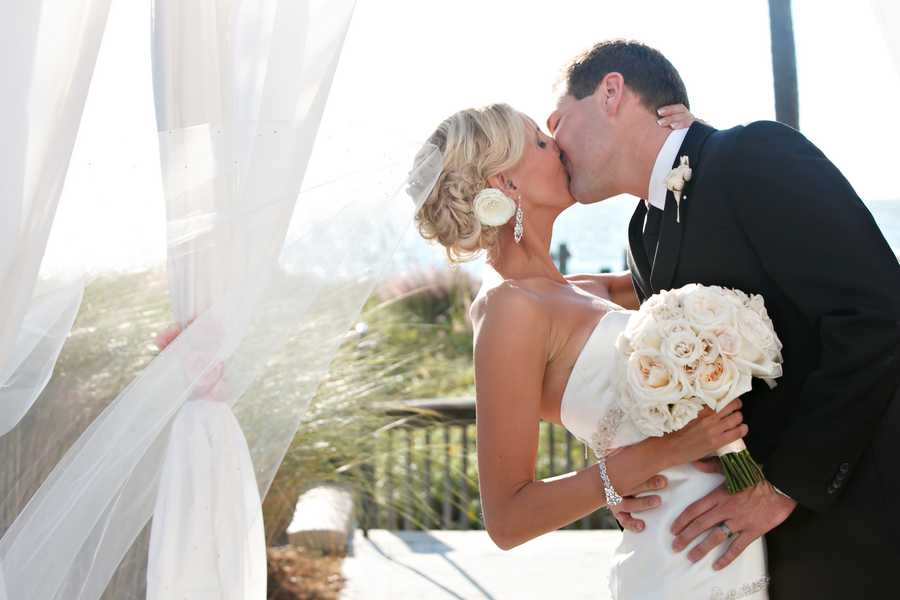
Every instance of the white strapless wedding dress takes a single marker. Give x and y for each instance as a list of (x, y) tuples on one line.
[(644, 565)]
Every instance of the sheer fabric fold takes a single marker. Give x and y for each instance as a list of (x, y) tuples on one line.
[(247, 269), (49, 51), (887, 12)]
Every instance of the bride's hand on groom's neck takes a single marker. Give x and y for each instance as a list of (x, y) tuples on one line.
[(676, 116)]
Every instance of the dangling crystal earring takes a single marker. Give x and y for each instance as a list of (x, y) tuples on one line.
[(519, 229)]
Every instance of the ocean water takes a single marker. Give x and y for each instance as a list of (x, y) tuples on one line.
[(596, 237)]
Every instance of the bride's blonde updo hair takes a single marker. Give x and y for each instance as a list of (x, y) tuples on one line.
[(476, 144)]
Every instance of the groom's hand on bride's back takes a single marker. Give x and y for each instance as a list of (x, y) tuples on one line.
[(751, 512), (630, 504)]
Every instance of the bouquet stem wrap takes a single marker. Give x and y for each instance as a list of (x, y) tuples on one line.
[(741, 471)]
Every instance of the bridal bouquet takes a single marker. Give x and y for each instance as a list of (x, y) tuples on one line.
[(693, 347)]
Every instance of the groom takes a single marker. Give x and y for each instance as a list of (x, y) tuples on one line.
[(765, 212)]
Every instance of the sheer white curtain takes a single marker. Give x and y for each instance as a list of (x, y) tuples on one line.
[(49, 49), (240, 89), (888, 14), (249, 279)]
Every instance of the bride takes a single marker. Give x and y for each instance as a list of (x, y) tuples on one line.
[(544, 349)]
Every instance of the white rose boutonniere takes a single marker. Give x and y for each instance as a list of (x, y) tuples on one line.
[(674, 182), (492, 207)]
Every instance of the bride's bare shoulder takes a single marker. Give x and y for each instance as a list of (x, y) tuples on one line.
[(502, 301)]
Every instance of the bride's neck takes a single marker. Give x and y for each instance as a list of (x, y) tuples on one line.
[(531, 256)]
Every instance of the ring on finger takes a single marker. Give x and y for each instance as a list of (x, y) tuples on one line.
[(725, 530)]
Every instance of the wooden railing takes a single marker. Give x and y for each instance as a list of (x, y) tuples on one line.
[(426, 475)]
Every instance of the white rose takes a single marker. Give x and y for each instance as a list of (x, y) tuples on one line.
[(641, 331), (759, 343), (673, 326), (681, 348), (492, 207), (655, 384), (706, 308), (652, 419), (664, 306), (709, 345), (729, 340), (720, 382), (683, 412), (738, 298)]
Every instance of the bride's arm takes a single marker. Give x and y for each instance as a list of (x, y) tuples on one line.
[(512, 341)]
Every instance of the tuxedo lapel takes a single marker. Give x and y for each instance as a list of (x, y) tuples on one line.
[(638, 262), (669, 247)]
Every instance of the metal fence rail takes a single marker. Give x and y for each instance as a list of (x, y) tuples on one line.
[(426, 475)]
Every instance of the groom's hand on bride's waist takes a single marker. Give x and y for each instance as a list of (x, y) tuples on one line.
[(630, 504), (751, 513)]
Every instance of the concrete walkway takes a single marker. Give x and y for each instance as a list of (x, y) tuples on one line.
[(466, 565)]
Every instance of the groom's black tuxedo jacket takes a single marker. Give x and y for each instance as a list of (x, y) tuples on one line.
[(767, 213)]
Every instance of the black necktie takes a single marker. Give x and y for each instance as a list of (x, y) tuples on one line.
[(651, 232)]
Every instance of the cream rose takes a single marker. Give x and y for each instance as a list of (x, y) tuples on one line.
[(655, 384), (709, 346), (683, 412), (664, 306), (673, 326), (707, 308), (729, 340), (760, 343), (492, 207), (720, 382), (653, 419), (681, 348)]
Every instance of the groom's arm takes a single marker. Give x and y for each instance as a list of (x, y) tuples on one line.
[(821, 246)]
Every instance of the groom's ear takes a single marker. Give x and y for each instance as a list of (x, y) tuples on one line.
[(610, 93)]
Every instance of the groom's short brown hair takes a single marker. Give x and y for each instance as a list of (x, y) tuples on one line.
[(647, 72)]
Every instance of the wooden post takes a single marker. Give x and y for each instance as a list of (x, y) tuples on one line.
[(426, 482), (407, 477), (784, 63), (448, 520), (464, 482), (563, 257), (389, 482), (550, 449)]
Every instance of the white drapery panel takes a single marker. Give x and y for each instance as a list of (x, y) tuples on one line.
[(49, 49), (76, 528), (240, 88), (887, 12), (81, 522)]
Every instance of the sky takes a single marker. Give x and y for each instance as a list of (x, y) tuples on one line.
[(408, 64)]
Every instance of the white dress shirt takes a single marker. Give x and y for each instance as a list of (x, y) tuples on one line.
[(656, 195)]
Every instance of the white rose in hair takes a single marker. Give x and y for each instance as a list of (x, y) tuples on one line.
[(708, 308), (720, 382), (492, 207)]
